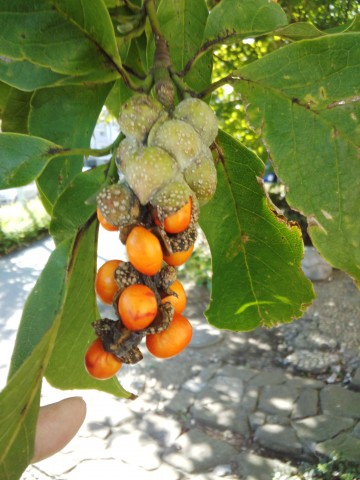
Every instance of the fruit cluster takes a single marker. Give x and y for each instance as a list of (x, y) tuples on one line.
[(167, 173)]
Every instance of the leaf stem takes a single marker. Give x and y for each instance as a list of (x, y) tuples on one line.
[(164, 87), (64, 152), (229, 79)]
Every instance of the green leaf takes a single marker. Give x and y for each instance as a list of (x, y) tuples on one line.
[(66, 366), (70, 38), (77, 203), (19, 401), (4, 93), (304, 99), (299, 31), (22, 158), (232, 20), (19, 406), (65, 115), (256, 254), (182, 23), (41, 310), (16, 112)]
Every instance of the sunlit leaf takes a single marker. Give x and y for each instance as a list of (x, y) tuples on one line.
[(231, 20), (65, 115), (22, 158), (299, 30), (69, 38), (16, 112), (67, 371), (305, 100), (81, 195), (256, 254), (182, 23)]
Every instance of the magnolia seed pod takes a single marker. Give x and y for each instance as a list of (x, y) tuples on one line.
[(118, 204), (126, 275), (198, 114), (172, 196), (138, 115), (181, 242), (148, 171), (128, 148), (179, 139), (201, 176)]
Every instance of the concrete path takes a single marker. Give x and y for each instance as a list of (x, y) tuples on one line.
[(202, 415)]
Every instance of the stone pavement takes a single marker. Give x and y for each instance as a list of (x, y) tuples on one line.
[(220, 409)]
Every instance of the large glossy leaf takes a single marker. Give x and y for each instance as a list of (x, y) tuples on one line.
[(256, 254), (19, 401), (66, 37), (16, 111), (182, 23), (304, 99), (68, 312), (66, 115), (66, 367), (300, 30), (22, 158), (19, 406), (231, 20), (77, 203)]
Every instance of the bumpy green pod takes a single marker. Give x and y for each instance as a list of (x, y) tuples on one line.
[(201, 176), (138, 115), (198, 114), (118, 204), (148, 170), (179, 139), (172, 196), (128, 148)]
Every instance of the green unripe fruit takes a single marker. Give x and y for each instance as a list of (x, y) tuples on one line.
[(148, 170), (172, 196), (138, 115), (179, 139), (128, 148), (118, 204), (198, 114), (201, 176)]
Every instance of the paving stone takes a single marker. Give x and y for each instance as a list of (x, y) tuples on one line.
[(355, 380), (278, 419), (321, 427), (112, 468), (356, 431), (244, 373), (335, 400), (314, 266), (164, 429), (256, 419), (135, 447), (216, 412), (278, 399), (195, 452), (302, 382), (194, 385), (205, 336), (180, 403), (272, 377), (278, 438), (250, 398), (345, 444), (233, 387), (255, 467), (307, 404)]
